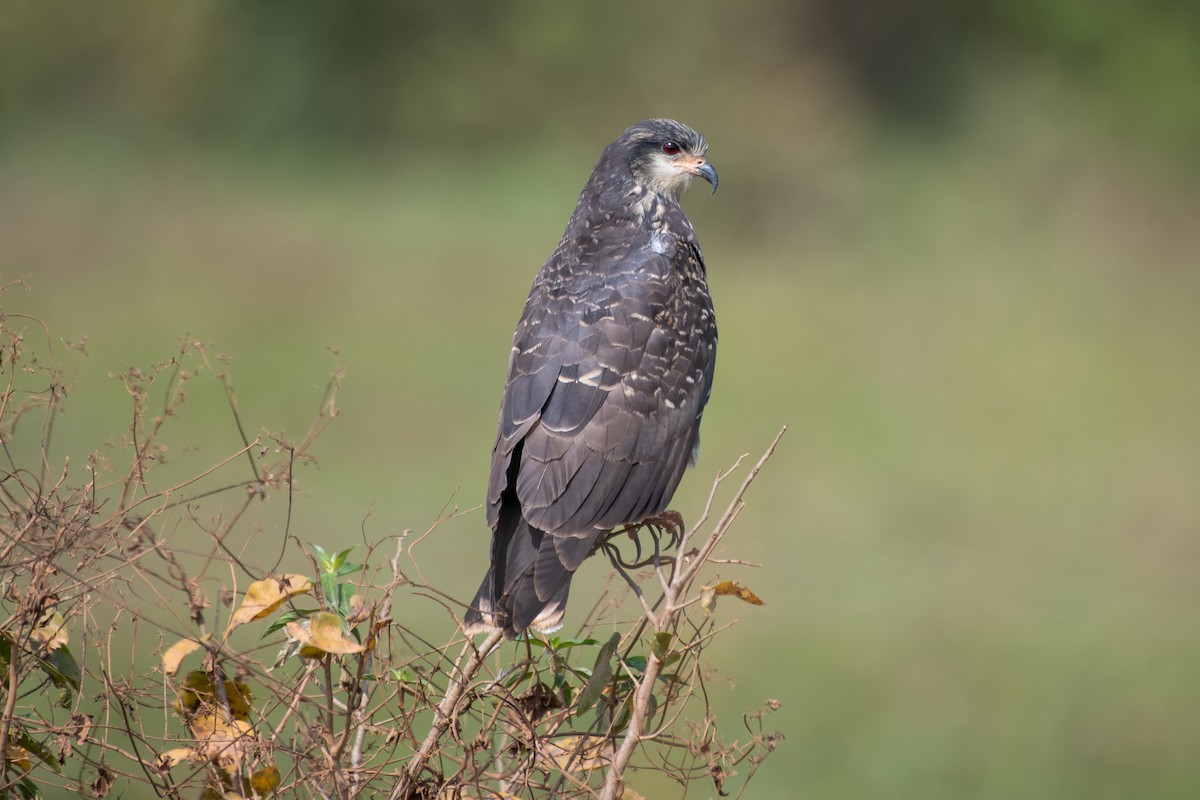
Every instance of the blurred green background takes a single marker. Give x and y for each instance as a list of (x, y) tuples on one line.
[(955, 249)]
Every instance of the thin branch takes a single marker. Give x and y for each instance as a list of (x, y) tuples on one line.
[(445, 712), (666, 618), (685, 575)]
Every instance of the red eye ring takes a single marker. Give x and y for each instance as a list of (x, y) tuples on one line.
[(670, 148)]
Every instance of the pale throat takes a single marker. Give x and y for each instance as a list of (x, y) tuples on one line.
[(666, 177)]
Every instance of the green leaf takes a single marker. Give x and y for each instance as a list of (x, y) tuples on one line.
[(330, 590), (661, 645), (62, 668), (339, 558), (601, 674), (511, 676), (38, 749), (409, 677), (28, 789), (603, 717), (621, 716), (651, 709), (557, 643), (285, 618), (322, 556), (339, 565), (636, 663)]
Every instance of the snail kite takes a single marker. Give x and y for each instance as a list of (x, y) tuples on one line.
[(611, 365)]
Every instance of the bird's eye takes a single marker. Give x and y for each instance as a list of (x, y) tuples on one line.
[(670, 148)]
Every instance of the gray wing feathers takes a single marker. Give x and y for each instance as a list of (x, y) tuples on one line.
[(619, 410), (600, 418)]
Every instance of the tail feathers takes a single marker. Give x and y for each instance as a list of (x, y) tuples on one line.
[(535, 571), (481, 614)]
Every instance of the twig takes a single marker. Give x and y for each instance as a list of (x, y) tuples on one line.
[(684, 573), (142, 762), (442, 717), (10, 702), (360, 736), (296, 696), (633, 735)]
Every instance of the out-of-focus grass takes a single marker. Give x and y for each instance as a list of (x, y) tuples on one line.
[(979, 537)]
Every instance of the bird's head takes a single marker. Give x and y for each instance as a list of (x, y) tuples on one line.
[(664, 156)]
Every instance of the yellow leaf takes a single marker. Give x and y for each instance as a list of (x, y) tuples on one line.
[(265, 780), (197, 691), (51, 633), (174, 655), (18, 757), (266, 596), (170, 758), (359, 610), (208, 727), (377, 627), (735, 589), (222, 742), (708, 600), (578, 753), (322, 633)]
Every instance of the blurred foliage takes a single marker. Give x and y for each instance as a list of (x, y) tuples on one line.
[(379, 74), (916, 60)]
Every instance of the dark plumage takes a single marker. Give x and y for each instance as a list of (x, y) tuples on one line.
[(611, 366)]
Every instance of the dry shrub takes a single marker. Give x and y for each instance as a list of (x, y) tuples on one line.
[(243, 681)]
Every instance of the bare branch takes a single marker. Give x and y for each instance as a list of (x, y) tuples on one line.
[(446, 710), (667, 617)]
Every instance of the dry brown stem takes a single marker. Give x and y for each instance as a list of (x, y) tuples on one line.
[(676, 578)]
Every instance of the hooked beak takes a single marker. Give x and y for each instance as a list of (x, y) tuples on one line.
[(709, 173)]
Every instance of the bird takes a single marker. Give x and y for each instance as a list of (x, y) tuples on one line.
[(611, 366)]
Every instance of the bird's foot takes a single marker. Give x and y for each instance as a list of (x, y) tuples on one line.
[(665, 522), (669, 521)]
